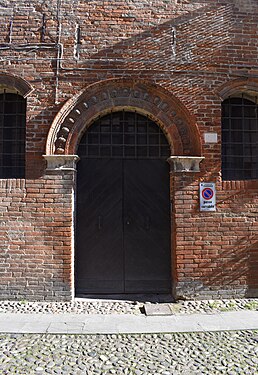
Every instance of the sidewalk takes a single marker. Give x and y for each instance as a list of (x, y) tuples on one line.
[(126, 323)]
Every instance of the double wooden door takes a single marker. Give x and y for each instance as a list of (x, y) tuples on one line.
[(123, 226)]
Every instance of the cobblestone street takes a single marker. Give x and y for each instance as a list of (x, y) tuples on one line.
[(176, 354)]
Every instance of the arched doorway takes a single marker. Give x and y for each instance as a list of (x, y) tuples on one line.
[(123, 234)]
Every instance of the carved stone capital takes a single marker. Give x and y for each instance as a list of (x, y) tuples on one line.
[(61, 163), (185, 163)]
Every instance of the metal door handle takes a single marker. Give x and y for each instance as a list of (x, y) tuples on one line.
[(100, 222), (147, 223), (128, 221)]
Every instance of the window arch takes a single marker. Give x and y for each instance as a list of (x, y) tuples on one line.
[(239, 138), (12, 134)]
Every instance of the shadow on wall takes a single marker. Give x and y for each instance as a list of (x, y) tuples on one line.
[(179, 41), (37, 129), (154, 49), (232, 197), (234, 266), (229, 254), (223, 245), (253, 269)]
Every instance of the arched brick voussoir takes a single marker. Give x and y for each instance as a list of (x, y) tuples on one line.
[(117, 94), (19, 84), (238, 86), (170, 132)]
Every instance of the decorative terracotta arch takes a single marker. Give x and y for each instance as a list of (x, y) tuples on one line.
[(117, 94), (23, 87)]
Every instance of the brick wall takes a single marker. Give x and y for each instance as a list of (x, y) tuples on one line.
[(217, 252), (36, 238), (196, 51)]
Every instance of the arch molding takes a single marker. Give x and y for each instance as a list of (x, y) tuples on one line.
[(122, 94)]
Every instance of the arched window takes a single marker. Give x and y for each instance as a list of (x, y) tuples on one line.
[(12, 135), (124, 135), (239, 139)]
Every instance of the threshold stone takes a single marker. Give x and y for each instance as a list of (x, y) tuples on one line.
[(156, 310)]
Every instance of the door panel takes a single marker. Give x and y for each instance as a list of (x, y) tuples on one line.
[(146, 226), (99, 242)]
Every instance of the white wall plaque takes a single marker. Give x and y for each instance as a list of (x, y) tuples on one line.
[(210, 137)]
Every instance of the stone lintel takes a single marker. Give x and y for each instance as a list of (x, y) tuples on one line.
[(185, 163), (61, 163)]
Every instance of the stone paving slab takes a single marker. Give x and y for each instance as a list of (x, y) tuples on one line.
[(118, 324), (157, 309)]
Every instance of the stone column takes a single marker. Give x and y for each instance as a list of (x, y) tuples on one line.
[(61, 169)]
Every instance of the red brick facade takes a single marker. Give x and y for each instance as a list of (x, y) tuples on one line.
[(174, 61)]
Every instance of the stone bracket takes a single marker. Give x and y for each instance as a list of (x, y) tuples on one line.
[(61, 163), (185, 163)]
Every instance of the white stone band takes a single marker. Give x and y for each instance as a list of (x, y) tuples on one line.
[(185, 163)]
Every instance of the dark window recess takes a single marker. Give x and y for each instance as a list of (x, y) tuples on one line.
[(124, 135), (12, 135), (239, 139)]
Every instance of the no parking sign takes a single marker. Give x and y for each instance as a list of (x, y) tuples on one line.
[(207, 196)]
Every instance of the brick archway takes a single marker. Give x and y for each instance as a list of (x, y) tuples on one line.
[(117, 94), (16, 83), (238, 86)]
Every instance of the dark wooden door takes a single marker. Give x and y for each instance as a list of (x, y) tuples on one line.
[(123, 227), (99, 228), (146, 226), (123, 208)]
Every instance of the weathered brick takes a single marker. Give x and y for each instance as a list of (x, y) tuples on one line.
[(191, 52)]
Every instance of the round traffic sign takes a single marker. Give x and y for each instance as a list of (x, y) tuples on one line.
[(207, 193)]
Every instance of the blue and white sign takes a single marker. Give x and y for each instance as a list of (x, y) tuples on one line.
[(207, 196)]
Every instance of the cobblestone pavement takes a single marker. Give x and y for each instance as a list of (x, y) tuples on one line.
[(168, 354), (208, 353), (126, 307)]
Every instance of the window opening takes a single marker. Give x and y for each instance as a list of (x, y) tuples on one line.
[(12, 135), (239, 139), (124, 135)]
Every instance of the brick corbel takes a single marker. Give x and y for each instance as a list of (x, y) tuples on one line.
[(185, 164), (61, 163)]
